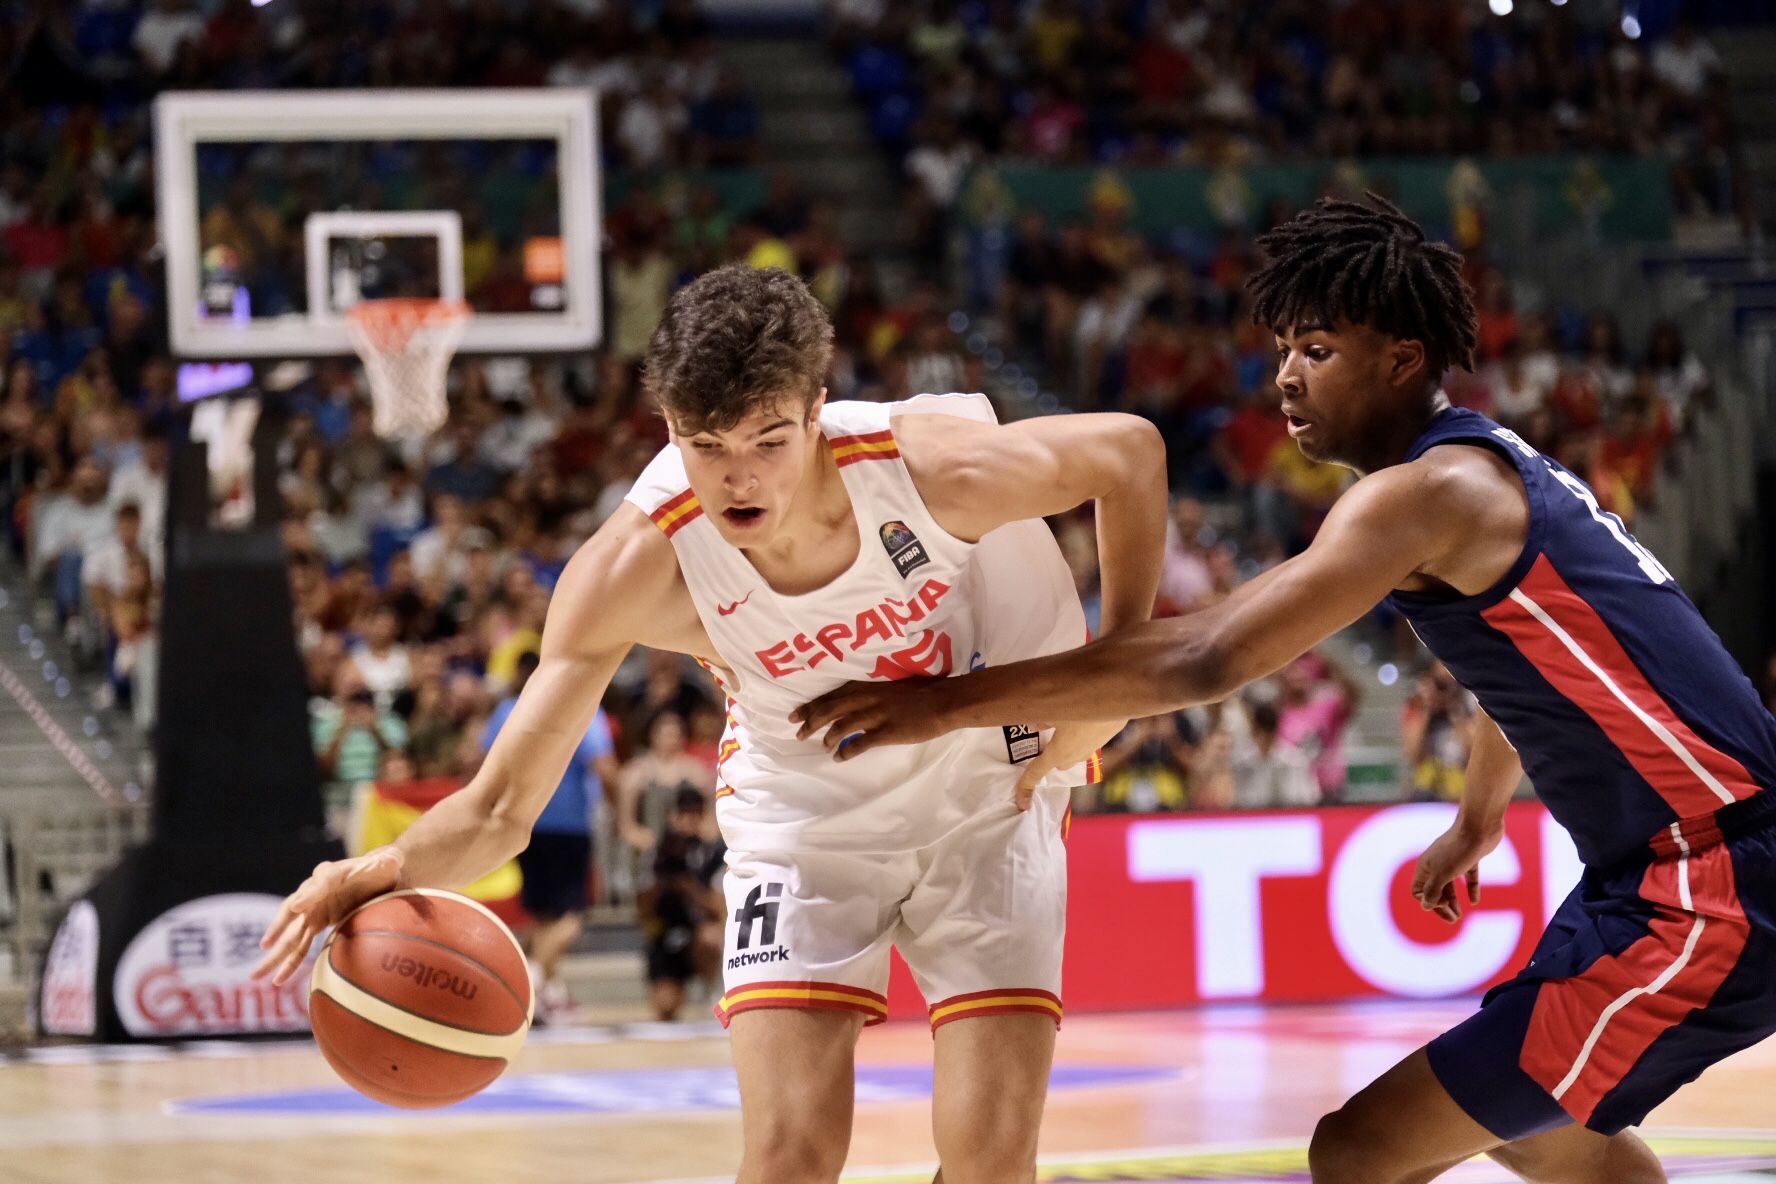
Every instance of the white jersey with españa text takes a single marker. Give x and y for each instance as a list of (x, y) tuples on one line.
[(917, 602)]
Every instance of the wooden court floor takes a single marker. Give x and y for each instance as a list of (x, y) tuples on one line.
[(1218, 1094)]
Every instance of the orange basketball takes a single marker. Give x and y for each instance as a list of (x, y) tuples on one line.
[(420, 998)]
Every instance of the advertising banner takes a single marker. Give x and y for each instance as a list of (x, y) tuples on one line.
[(1309, 905), (186, 973), (69, 1005)]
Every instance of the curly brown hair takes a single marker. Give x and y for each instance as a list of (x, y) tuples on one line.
[(733, 341)]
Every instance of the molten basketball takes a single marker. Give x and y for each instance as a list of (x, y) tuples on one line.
[(420, 998)]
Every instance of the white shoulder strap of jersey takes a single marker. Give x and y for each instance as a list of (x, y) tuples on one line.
[(663, 480), (966, 406)]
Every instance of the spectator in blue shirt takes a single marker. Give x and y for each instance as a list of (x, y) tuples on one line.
[(558, 863)]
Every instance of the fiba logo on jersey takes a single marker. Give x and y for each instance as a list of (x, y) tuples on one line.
[(904, 548)]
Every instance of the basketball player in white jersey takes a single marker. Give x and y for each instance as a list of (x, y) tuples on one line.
[(792, 545)]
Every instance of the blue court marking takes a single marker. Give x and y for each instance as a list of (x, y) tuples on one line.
[(632, 1091)]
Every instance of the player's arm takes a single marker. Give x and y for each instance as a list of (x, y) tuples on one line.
[(1493, 774), (975, 477), (608, 599), (1389, 525)]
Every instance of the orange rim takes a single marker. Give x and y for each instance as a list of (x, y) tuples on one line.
[(390, 324)]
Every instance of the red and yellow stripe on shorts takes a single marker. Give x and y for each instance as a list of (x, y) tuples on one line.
[(1006, 1001), (824, 996)]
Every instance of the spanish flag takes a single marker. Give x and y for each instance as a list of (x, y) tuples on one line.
[(393, 807)]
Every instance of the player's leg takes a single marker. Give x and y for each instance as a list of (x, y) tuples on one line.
[(1405, 1128), (1402, 1128), (982, 932), (990, 1086), (805, 967), (797, 1070), (1643, 979), (1578, 1155)]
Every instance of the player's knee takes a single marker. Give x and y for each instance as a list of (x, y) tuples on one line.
[(1623, 1159), (786, 1153), (997, 1153), (1630, 1161), (987, 1136), (1343, 1151)]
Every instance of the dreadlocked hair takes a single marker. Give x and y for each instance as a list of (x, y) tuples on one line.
[(1367, 264)]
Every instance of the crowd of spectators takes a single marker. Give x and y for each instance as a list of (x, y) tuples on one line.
[(667, 98), (1124, 323), (420, 574), (949, 82), (1279, 742), (884, 348)]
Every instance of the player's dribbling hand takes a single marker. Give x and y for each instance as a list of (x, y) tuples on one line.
[(1070, 745), (860, 716), (1454, 859), (323, 900)]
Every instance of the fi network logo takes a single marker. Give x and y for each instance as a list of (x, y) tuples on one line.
[(764, 911)]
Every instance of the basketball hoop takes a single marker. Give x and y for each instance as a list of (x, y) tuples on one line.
[(406, 346)]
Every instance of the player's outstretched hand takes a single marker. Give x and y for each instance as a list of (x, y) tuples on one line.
[(1454, 859), (1070, 745), (860, 716), (323, 900)]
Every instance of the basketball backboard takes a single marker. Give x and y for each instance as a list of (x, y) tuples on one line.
[(280, 209)]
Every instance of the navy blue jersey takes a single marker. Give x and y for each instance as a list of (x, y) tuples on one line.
[(1632, 720)]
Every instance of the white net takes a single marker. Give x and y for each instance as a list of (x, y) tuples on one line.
[(406, 346)]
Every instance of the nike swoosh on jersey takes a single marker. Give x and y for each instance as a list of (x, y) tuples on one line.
[(727, 610)]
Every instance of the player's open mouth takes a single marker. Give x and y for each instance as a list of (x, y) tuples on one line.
[(1297, 425), (743, 515)]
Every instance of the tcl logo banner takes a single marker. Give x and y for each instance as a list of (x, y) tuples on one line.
[(1298, 905), (1310, 905)]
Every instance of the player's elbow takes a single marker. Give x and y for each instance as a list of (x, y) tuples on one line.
[(505, 818), (507, 833), (1198, 668), (1140, 449)]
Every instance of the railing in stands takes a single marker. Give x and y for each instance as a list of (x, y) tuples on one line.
[(54, 852)]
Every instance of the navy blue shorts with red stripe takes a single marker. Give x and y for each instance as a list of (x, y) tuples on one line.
[(1644, 978)]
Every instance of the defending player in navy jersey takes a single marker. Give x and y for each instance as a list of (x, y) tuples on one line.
[(1597, 676)]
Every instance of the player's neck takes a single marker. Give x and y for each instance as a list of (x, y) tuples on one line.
[(1392, 444), (820, 511)]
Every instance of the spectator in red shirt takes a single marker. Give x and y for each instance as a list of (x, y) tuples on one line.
[(1636, 439), (1498, 319), (1208, 372), (1164, 78), (1246, 442), (38, 241), (1054, 123), (1578, 400), (1154, 372)]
